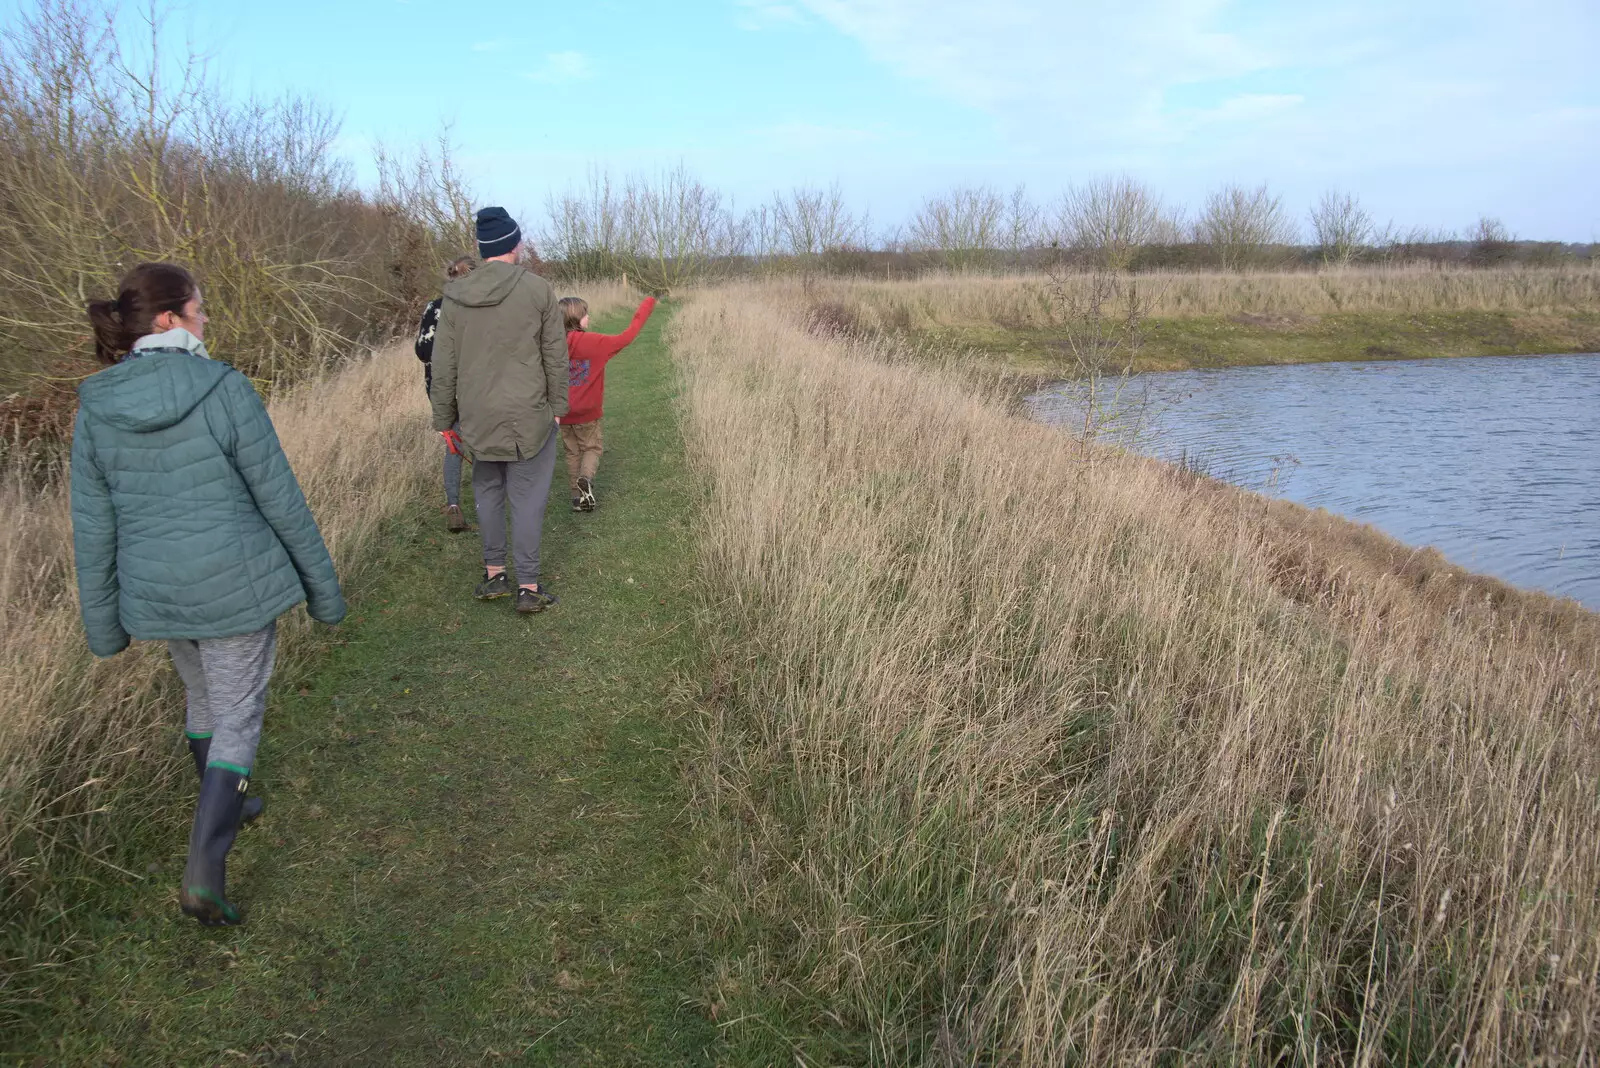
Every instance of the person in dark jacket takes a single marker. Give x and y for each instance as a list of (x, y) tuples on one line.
[(189, 526), (426, 330)]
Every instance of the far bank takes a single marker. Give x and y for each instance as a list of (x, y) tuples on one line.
[(1034, 323), (1250, 340)]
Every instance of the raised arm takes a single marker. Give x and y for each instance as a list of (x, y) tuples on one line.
[(615, 343)]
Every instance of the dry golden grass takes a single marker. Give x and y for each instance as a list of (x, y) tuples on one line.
[(956, 300), (1028, 754), (604, 296)]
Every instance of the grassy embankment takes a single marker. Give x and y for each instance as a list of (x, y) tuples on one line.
[(1026, 754), (1203, 319)]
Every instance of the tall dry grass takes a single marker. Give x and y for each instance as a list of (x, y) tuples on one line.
[(957, 300), (1022, 753), (76, 733)]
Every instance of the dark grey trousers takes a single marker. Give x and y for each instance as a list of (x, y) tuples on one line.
[(525, 485)]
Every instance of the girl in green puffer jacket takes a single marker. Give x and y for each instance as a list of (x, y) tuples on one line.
[(189, 526)]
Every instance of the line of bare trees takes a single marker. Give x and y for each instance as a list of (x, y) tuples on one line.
[(667, 229)]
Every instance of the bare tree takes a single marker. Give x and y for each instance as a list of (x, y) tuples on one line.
[(1023, 225), (428, 182), (807, 222), (1103, 312), (664, 231), (584, 229), (1342, 228), (964, 225), (1112, 218), (115, 150), (1491, 241), (1239, 224)]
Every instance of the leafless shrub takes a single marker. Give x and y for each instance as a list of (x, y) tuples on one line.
[(963, 227), (664, 231), (113, 151), (1102, 314), (1241, 224), (1491, 242), (428, 187), (1023, 226), (1342, 228), (1112, 218), (807, 222)]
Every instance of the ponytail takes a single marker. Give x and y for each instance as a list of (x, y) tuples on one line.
[(145, 292), (106, 321)]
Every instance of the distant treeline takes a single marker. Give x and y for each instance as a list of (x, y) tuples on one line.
[(671, 229)]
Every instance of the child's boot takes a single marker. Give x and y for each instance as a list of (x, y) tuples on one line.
[(200, 748), (584, 501), (216, 821)]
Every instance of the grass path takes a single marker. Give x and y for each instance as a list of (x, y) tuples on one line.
[(474, 850)]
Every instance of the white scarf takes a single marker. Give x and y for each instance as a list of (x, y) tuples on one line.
[(176, 338)]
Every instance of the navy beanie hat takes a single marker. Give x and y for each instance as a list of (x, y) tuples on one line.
[(498, 232)]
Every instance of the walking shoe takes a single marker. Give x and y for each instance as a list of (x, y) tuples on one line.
[(454, 521), (534, 600), (577, 504), (584, 502), (493, 587), (200, 749), (216, 821)]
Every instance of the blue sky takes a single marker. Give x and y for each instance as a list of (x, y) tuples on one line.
[(1432, 111)]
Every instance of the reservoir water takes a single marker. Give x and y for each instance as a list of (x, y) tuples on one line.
[(1495, 461)]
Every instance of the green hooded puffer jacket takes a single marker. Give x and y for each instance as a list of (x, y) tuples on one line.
[(187, 521)]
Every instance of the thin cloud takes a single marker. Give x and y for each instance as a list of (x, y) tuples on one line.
[(757, 15), (1430, 80), (559, 67)]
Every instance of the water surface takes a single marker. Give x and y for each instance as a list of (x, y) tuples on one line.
[(1493, 460)]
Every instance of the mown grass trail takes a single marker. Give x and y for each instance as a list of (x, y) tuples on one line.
[(474, 850)]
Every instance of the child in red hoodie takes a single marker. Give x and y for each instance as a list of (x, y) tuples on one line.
[(587, 356)]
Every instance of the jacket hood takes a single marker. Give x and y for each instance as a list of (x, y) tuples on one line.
[(152, 389), (487, 286)]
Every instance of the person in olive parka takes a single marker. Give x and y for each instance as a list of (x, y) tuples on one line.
[(500, 373)]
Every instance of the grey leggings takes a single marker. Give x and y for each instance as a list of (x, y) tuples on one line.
[(525, 484), (226, 680)]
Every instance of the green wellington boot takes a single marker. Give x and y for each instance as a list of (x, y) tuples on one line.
[(200, 748), (216, 822)]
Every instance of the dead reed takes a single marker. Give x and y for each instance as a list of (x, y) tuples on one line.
[(1025, 753), (958, 300)]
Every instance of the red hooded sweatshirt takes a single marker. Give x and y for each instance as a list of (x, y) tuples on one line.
[(587, 356)]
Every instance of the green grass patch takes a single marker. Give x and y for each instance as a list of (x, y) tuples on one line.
[(1253, 340), (475, 848)]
